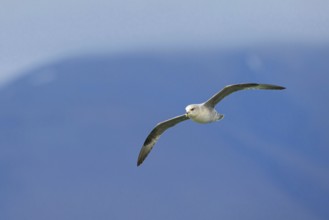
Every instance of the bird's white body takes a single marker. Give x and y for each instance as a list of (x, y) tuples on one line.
[(202, 114)]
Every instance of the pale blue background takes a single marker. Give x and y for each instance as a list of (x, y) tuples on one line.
[(37, 31), (83, 82)]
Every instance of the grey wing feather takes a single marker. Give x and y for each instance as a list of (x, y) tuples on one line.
[(237, 87), (155, 134)]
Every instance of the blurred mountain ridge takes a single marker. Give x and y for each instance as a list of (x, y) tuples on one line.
[(84, 118)]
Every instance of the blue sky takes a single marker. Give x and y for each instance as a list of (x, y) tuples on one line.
[(76, 162), (33, 32)]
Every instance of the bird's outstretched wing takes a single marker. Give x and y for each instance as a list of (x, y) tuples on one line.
[(155, 134), (237, 87)]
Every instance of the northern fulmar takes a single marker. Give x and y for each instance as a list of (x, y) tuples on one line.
[(200, 113)]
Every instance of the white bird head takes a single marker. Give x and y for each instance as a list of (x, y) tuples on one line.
[(192, 110)]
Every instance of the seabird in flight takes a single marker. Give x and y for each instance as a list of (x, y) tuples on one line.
[(200, 113)]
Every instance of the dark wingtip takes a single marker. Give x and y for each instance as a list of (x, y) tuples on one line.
[(271, 86), (140, 159), (139, 163), (281, 87)]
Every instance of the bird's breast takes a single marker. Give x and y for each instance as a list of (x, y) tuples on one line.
[(204, 117)]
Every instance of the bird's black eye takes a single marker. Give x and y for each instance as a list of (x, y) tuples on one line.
[(192, 109)]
